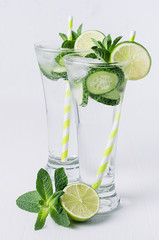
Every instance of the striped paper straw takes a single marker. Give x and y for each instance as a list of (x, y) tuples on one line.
[(132, 36), (111, 141), (70, 24), (67, 107), (107, 152), (66, 122)]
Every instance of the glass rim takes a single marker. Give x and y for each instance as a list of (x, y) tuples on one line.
[(72, 59), (46, 46)]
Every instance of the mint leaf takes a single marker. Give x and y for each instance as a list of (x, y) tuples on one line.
[(60, 218), (102, 54), (56, 201), (109, 41), (40, 221), (29, 201), (116, 40), (58, 194), (104, 42), (96, 42), (74, 35), (103, 49), (61, 180), (79, 30), (44, 184), (63, 36), (91, 55), (68, 44)]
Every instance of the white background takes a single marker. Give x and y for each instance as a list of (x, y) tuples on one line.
[(23, 136)]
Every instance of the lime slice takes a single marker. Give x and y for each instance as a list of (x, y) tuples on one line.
[(84, 40), (140, 60), (80, 201)]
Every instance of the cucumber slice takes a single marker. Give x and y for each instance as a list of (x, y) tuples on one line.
[(112, 98), (80, 93), (104, 80), (59, 59), (53, 73)]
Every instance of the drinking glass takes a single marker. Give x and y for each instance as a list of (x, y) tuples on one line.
[(94, 119), (54, 78)]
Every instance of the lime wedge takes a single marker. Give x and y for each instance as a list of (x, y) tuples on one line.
[(84, 40), (80, 201), (140, 60)]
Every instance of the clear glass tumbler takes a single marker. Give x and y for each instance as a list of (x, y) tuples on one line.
[(54, 79), (95, 113)]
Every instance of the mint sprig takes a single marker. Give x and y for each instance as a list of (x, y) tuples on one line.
[(70, 43), (29, 201), (41, 219), (61, 180), (103, 49), (43, 201), (44, 184)]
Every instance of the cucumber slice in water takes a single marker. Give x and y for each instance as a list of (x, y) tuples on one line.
[(112, 98), (104, 80), (59, 59), (53, 73), (80, 93)]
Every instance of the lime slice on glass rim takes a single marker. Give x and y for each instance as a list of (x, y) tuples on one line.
[(80, 201), (84, 41), (140, 60)]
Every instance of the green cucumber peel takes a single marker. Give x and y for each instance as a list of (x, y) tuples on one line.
[(105, 99), (52, 74), (93, 77), (80, 92)]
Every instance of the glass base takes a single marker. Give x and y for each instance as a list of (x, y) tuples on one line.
[(109, 199), (71, 167)]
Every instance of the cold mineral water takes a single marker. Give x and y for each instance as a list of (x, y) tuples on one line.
[(54, 77), (97, 89)]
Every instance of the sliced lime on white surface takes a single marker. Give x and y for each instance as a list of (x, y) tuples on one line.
[(84, 40), (140, 60), (80, 201)]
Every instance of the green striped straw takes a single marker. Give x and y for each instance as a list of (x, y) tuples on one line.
[(132, 36), (111, 141), (67, 106)]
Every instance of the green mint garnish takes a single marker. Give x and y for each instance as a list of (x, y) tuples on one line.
[(79, 30), (29, 201), (41, 219), (61, 180), (63, 36), (103, 49), (43, 201), (116, 40), (44, 184), (101, 53), (60, 218), (70, 43), (91, 55)]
